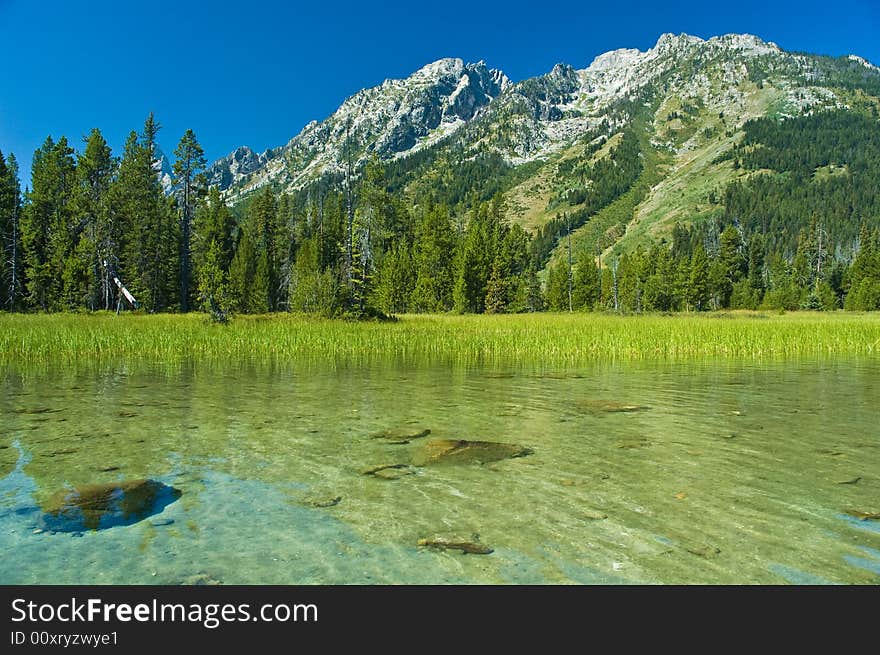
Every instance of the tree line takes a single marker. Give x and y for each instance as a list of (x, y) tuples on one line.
[(702, 270), (366, 245)]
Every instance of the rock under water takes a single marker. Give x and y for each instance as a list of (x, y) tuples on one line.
[(462, 451), (400, 437), (102, 506), (600, 407), (454, 543)]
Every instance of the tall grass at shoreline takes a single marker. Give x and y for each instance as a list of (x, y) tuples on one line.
[(548, 338)]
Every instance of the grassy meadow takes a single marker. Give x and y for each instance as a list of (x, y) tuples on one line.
[(544, 338)]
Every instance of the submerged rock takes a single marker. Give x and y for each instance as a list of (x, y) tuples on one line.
[(200, 579), (705, 551), (454, 543), (864, 516), (462, 451), (610, 407), (325, 502), (389, 471), (101, 506), (829, 452), (400, 437), (36, 410), (633, 444)]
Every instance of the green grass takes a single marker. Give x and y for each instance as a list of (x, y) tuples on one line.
[(558, 339)]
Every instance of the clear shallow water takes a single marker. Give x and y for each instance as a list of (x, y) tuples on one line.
[(728, 473)]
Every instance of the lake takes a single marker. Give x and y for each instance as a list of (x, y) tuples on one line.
[(716, 472)]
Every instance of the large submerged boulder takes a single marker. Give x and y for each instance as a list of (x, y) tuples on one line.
[(101, 506)]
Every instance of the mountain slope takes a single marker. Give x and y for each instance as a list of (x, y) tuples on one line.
[(552, 144), (399, 116)]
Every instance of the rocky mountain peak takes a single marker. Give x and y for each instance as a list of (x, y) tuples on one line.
[(390, 120)]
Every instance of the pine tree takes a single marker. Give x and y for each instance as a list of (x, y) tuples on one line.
[(756, 264), (556, 294), (46, 223), (483, 241), (214, 222), (88, 280), (312, 289), (435, 242), (241, 274), (212, 284), (534, 295), (159, 227), (144, 221), (496, 290), (369, 234), (864, 274), (732, 265), (10, 234), (285, 251), (698, 294), (586, 284), (395, 280), (262, 217), (190, 162)]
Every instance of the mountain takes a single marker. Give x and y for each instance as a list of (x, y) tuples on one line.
[(394, 118), (164, 171), (626, 148)]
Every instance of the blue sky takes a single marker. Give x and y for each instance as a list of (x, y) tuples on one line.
[(255, 72)]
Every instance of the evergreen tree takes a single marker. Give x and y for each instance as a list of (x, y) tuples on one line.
[(698, 294), (46, 225), (756, 265), (660, 286), (285, 251), (189, 164), (144, 222), (213, 249), (10, 234), (213, 286), (435, 243), (312, 289), (214, 222), (88, 281), (395, 281), (496, 290), (262, 217), (488, 237), (864, 274), (556, 294), (260, 289), (534, 300), (241, 274), (731, 265), (586, 284)]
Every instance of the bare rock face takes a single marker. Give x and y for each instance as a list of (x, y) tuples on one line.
[(101, 506)]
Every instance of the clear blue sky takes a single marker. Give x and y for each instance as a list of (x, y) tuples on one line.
[(254, 72)]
